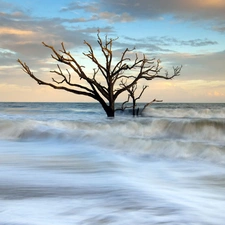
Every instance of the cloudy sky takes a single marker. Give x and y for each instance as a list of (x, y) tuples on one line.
[(179, 32)]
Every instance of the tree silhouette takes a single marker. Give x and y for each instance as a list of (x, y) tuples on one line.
[(131, 94), (109, 79)]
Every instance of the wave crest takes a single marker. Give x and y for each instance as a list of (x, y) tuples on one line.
[(159, 137)]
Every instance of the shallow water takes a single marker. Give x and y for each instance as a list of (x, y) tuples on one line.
[(66, 163)]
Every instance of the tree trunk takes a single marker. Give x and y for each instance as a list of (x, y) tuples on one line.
[(134, 106), (109, 110)]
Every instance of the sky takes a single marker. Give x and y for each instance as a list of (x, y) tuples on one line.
[(178, 32)]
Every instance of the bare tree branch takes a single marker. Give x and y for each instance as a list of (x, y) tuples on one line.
[(146, 105), (40, 82)]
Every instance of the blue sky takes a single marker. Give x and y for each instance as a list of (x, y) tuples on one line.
[(179, 32)]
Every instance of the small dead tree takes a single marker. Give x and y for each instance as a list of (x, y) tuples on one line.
[(103, 84), (131, 94)]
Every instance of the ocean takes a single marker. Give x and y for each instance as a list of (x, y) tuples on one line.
[(68, 164)]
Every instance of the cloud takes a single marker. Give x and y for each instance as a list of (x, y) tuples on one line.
[(167, 41), (24, 36), (81, 5), (208, 67), (24, 32), (12, 31), (154, 9), (113, 17), (130, 10), (193, 42), (219, 28), (96, 12), (198, 42)]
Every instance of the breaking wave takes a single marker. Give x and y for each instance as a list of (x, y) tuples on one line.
[(186, 111), (186, 138)]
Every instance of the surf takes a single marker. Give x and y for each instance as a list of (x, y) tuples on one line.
[(188, 139)]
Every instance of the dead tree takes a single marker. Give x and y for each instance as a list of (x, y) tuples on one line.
[(131, 94), (103, 84)]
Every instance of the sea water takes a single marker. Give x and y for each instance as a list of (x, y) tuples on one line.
[(67, 163)]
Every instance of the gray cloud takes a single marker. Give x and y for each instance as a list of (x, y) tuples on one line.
[(219, 28), (198, 42), (194, 9), (158, 44), (209, 66), (23, 35), (78, 5), (192, 43), (146, 48), (129, 10)]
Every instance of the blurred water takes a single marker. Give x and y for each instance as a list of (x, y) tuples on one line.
[(66, 163)]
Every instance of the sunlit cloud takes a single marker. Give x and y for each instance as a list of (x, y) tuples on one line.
[(12, 31), (216, 94), (211, 3)]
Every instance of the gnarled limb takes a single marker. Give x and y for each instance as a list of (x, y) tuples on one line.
[(86, 92), (146, 105)]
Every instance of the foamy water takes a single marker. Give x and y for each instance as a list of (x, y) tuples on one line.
[(69, 164)]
